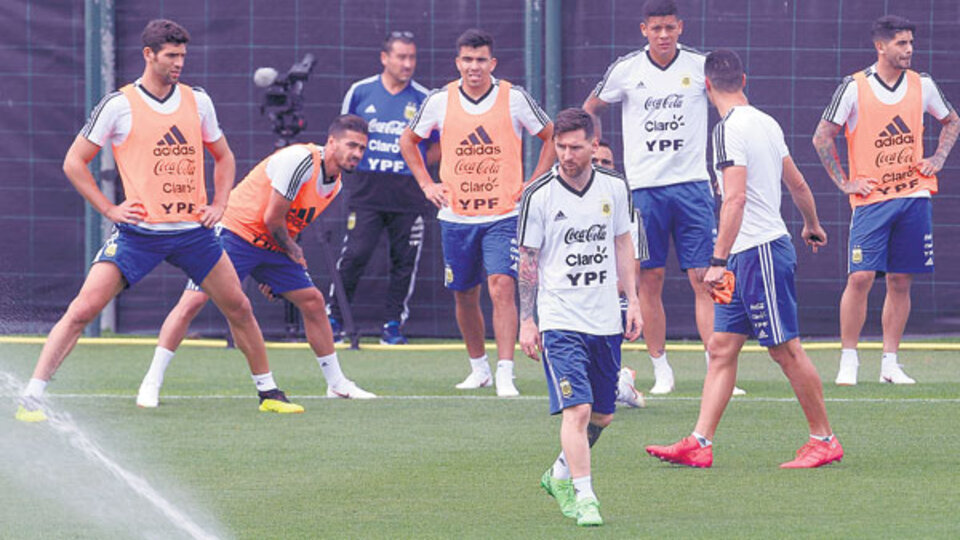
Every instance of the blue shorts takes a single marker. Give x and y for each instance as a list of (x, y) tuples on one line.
[(684, 211), (470, 249), (272, 268), (764, 297), (581, 368), (195, 251), (892, 236)]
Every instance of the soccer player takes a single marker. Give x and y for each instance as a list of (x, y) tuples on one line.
[(757, 295), (889, 184), (280, 197), (384, 196), (158, 128), (480, 120), (575, 245), (604, 155), (664, 111)]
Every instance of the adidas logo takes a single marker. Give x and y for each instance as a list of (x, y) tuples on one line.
[(478, 142), (896, 133), (370, 109), (173, 143), (641, 86), (560, 216), (762, 334)]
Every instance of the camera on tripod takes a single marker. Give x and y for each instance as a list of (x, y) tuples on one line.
[(283, 99)]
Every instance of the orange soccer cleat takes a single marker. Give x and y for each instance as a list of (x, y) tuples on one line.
[(685, 452), (815, 453)]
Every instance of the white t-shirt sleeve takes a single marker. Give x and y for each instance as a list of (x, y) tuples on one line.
[(934, 102), (347, 105), (729, 146), (622, 209), (843, 104), (209, 126), (531, 224), (610, 88), (526, 112), (431, 114), (101, 127), (289, 169)]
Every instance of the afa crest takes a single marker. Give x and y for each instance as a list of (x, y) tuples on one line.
[(856, 256), (606, 208), (686, 81), (410, 110), (566, 388), (447, 275)]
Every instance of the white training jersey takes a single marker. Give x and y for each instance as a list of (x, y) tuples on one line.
[(664, 112), (109, 122), (843, 107), (575, 234), (524, 112), (292, 167), (751, 138)]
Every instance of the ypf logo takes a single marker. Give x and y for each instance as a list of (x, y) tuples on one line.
[(478, 143), (896, 133)]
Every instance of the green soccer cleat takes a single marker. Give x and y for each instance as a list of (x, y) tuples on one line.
[(276, 401), (588, 513), (561, 491)]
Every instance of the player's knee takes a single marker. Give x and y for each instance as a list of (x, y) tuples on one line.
[(602, 420), (861, 281), (898, 283), (236, 309), (80, 313), (720, 349), (312, 302), (786, 353)]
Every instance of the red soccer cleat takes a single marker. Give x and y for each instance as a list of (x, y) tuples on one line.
[(685, 452), (816, 453)]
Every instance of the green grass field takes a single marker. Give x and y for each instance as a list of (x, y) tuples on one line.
[(431, 462)]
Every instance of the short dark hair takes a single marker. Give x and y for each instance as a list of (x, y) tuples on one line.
[(475, 38), (659, 8), (605, 143), (347, 122), (573, 119), (887, 27), (403, 36), (725, 70), (161, 31)]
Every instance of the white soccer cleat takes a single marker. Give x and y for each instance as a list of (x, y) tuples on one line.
[(148, 397), (505, 386), (348, 389), (895, 375), (847, 374), (627, 393), (476, 379), (737, 391), (663, 380)]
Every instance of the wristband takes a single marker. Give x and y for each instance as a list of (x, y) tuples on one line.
[(716, 261)]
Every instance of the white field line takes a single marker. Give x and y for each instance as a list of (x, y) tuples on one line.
[(298, 397)]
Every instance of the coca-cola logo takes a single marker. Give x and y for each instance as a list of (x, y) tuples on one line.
[(175, 167), (894, 157), (670, 101), (593, 233), (484, 166)]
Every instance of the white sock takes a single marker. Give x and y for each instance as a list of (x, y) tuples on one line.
[(35, 388), (560, 469), (704, 442), (888, 361), (660, 362), (583, 487), (824, 438), (330, 366), (480, 364), (161, 359), (506, 366), (264, 382), (849, 356)]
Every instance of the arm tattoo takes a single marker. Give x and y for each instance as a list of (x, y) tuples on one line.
[(823, 141), (282, 237), (948, 136), (528, 281)]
